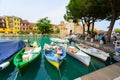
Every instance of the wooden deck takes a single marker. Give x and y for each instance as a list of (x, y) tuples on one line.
[(111, 72)]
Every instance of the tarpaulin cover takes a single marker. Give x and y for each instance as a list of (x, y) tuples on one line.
[(9, 47)]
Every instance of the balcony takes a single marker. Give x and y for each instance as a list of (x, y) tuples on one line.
[(2, 20)]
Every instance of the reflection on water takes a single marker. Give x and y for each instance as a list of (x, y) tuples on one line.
[(41, 69), (31, 71)]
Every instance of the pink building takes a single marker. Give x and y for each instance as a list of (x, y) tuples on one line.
[(24, 25)]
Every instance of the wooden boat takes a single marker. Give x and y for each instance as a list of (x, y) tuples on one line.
[(26, 56), (93, 51), (78, 54), (8, 49), (59, 40), (54, 54)]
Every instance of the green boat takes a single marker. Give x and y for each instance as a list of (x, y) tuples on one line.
[(26, 56)]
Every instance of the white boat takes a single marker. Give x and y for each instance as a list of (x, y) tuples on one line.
[(78, 54), (5, 63), (59, 40), (93, 51)]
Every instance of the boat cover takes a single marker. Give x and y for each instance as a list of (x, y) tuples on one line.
[(9, 48)]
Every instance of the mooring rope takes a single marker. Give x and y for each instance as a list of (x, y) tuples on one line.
[(16, 75), (59, 73), (93, 65)]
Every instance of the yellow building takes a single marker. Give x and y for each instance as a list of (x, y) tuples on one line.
[(33, 27), (70, 25), (55, 28), (12, 24), (63, 29)]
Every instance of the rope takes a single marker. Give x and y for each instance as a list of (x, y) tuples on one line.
[(59, 73), (16, 75), (93, 65)]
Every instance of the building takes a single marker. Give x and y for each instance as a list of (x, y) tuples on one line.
[(70, 25), (63, 29), (2, 24), (12, 24), (24, 25), (55, 28), (33, 27)]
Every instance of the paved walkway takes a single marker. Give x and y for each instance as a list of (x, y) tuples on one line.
[(111, 72)]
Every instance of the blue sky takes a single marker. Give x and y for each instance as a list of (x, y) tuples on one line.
[(33, 10)]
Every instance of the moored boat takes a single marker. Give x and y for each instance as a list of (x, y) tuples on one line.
[(93, 52), (78, 54), (8, 49), (26, 56), (59, 40), (54, 54)]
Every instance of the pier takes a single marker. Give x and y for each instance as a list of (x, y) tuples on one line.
[(111, 72)]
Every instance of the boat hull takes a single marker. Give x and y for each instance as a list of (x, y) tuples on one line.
[(55, 64), (101, 55), (18, 59), (54, 58), (82, 57)]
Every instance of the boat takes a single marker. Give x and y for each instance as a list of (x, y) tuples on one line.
[(26, 56), (8, 49), (93, 51), (59, 40), (54, 54), (77, 54)]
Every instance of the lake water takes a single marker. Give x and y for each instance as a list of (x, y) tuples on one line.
[(41, 69)]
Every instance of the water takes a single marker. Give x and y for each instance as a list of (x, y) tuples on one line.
[(40, 69)]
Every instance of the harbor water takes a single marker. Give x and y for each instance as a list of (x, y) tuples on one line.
[(41, 69)]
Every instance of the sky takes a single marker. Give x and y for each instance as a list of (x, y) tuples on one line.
[(33, 10)]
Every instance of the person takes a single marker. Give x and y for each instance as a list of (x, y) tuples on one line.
[(70, 39), (104, 40), (70, 32), (114, 36)]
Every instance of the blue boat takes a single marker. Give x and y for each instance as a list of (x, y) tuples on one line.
[(52, 55), (8, 48)]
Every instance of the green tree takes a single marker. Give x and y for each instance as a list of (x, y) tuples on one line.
[(117, 30), (44, 26), (94, 10), (88, 11)]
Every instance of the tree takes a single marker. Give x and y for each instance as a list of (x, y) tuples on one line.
[(117, 30), (88, 11), (114, 14), (94, 10), (44, 26)]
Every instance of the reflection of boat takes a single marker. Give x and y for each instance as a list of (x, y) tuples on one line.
[(26, 56), (93, 51), (54, 56), (78, 54), (7, 50)]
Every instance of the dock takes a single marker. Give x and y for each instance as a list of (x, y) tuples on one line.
[(111, 72)]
